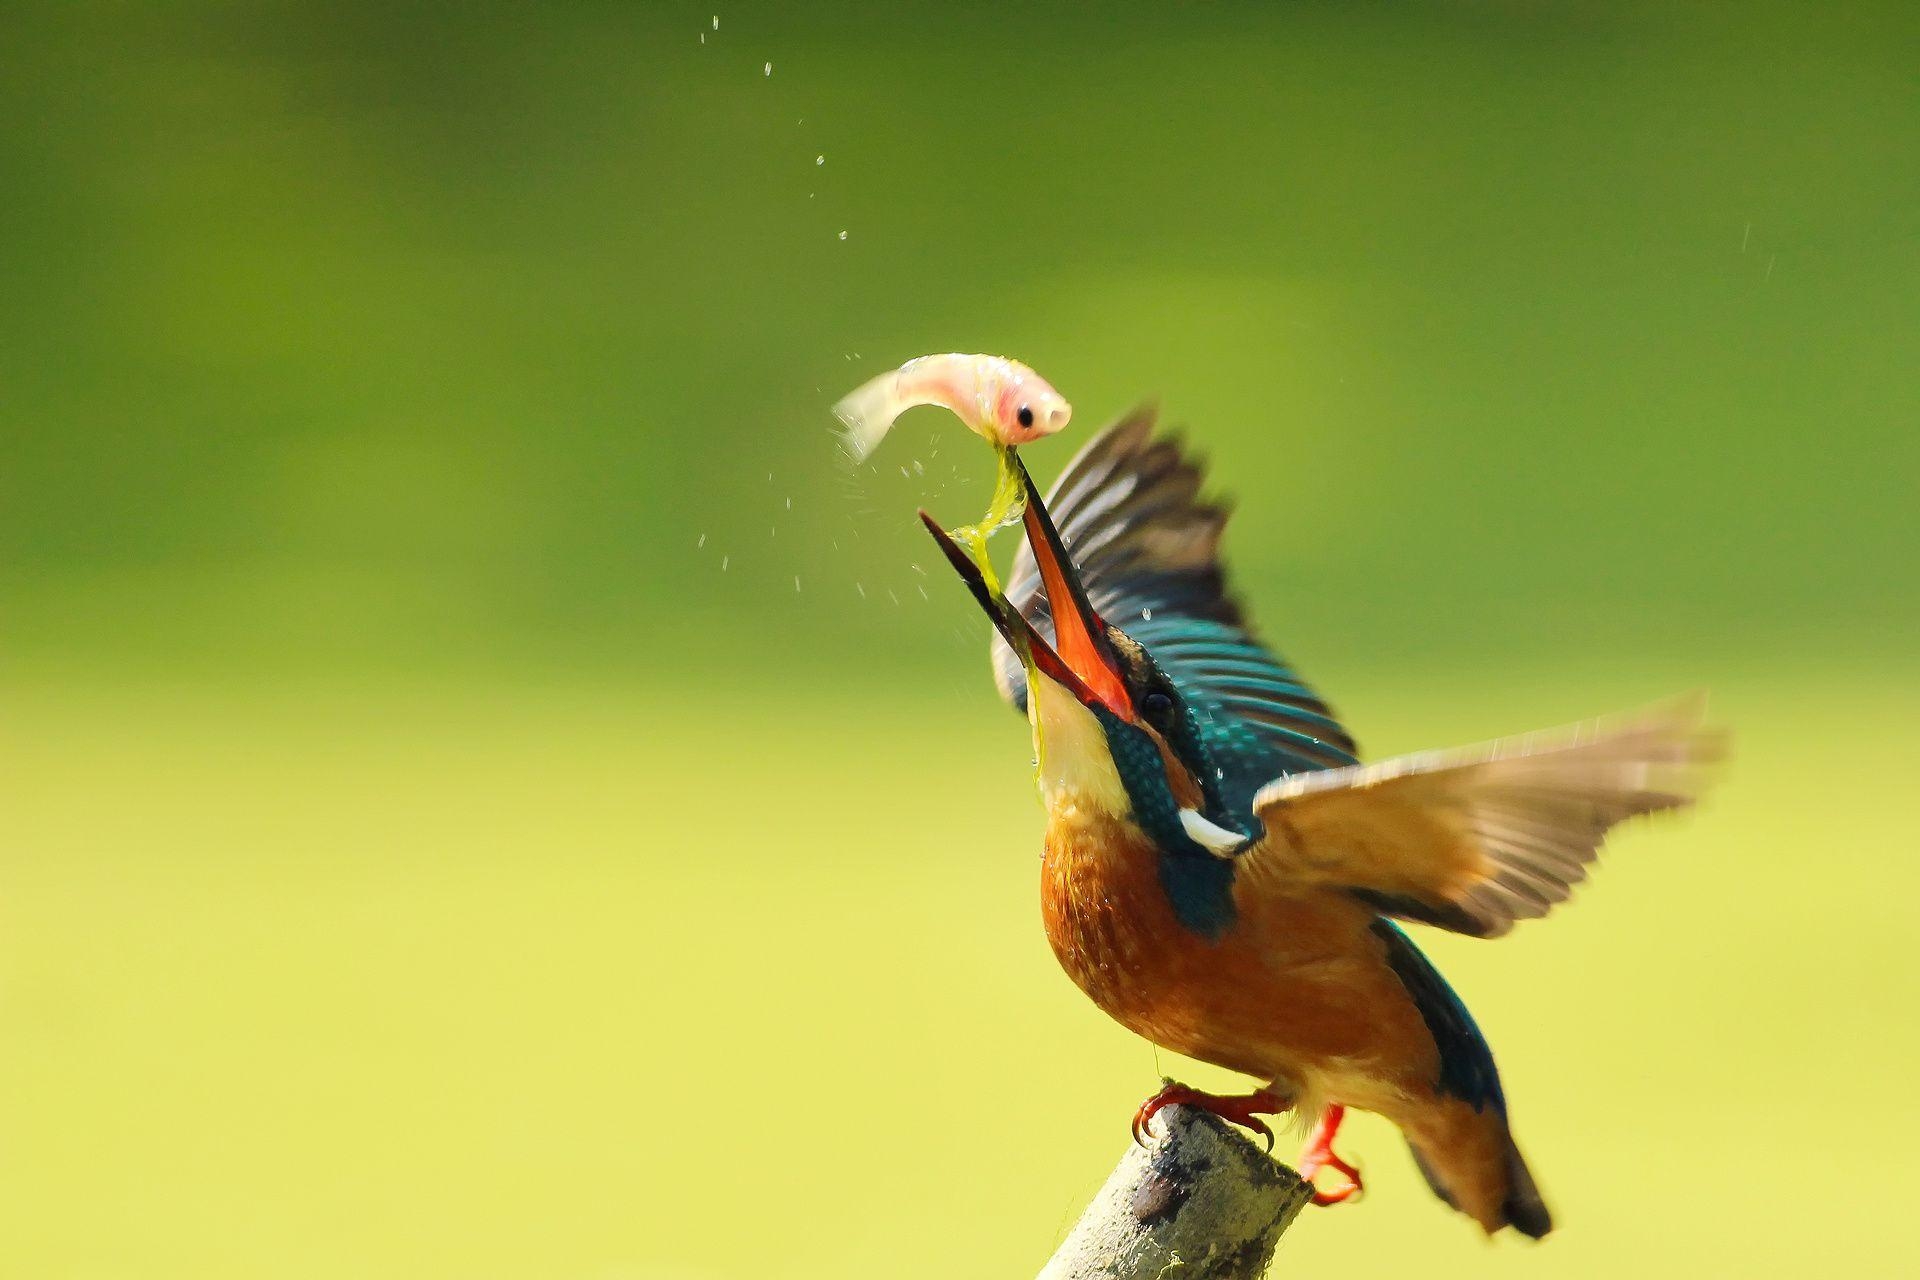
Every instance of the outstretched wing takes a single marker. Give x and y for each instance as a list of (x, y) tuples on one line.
[(1147, 546), (1477, 838)]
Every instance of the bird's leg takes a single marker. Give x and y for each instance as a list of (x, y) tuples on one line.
[(1240, 1108), (1318, 1154)]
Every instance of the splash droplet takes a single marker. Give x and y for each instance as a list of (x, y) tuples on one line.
[(843, 235), (716, 22), (862, 590), (767, 70), (818, 160), (789, 504), (702, 542), (724, 562), (1146, 615), (796, 583)]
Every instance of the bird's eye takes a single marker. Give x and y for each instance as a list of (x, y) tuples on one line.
[(1156, 707), (1025, 415)]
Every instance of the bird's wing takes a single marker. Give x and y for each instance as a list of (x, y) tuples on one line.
[(1477, 838), (1147, 546)]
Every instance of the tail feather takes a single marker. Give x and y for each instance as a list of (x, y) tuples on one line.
[(1526, 1211), (1438, 1187), (1469, 1159)]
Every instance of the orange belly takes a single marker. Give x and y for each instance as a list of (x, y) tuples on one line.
[(1296, 992)]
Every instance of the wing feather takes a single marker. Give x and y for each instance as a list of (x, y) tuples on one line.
[(1477, 838), (1147, 545)]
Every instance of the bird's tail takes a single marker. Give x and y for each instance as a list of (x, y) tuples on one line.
[(1469, 1159)]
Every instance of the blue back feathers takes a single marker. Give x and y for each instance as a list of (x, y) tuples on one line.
[(1466, 1062)]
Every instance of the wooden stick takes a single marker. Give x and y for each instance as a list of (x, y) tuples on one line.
[(1203, 1203)]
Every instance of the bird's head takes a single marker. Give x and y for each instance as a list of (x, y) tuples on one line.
[(1111, 732)]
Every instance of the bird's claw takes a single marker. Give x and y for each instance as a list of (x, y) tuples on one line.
[(1241, 1109), (1339, 1195), (1319, 1154)]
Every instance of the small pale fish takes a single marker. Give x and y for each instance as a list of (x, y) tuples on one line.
[(998, 398)]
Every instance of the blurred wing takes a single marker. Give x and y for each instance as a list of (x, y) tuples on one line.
[(1129, 512), (1477, 838)]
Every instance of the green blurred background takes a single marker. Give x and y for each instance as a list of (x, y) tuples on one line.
[(484, 792)]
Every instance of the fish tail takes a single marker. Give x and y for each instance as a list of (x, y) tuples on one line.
[(867, 412)]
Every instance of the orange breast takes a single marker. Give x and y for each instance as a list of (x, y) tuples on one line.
[(1297, 990)]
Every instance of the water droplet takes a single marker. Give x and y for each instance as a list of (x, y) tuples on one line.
[(862, 590), (918, 468), (904, 472), (789, 504), (702, 542), (843, 235), (703, 37), (891, 596), (917, 569), (819, 160), (767, 70), (716, 22), (1146, 615), (724, 562), (923, 592), (796, 583)]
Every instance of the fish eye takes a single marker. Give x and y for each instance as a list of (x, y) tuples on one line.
[(1025, 415)]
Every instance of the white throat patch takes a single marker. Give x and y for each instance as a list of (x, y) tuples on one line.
[(1075, 761)]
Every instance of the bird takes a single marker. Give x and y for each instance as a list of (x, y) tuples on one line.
[(1224, 876)]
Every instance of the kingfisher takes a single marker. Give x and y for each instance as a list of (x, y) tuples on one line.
[(1222, 874)]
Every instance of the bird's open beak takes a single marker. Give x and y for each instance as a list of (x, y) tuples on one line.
[(1080, 658)]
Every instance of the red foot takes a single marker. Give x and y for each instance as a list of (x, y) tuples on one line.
[(1318, 1154), (1240, 1108)]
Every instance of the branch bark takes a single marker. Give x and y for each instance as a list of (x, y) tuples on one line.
[(1203, 1203)]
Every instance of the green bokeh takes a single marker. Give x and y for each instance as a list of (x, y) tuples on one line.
[(443, 333), (420, 857)]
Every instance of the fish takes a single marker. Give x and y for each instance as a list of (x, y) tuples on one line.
[(1000, 399)]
